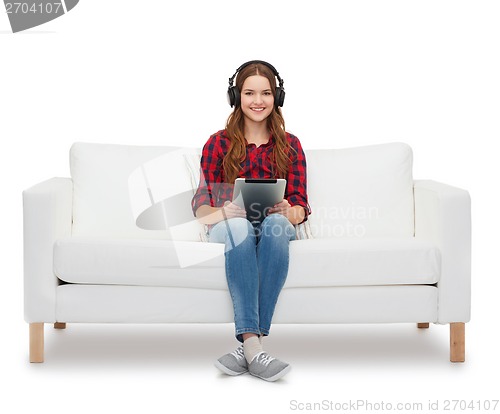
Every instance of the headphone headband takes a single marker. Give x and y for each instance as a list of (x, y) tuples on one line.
[(233, 94), (251, 62)]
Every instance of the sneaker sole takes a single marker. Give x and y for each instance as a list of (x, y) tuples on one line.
[(275, 377), (226, 370)]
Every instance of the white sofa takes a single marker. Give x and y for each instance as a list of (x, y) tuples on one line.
[(118, 242)]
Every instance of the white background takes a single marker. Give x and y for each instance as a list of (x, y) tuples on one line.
[(155, 72)]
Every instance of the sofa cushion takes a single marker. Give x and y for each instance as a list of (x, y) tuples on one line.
[(363, 262), (361, 192), (145, 192), (115, 184), (314, 262)]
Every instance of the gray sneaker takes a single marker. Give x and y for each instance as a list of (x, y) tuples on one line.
[(233, 363), (268, 368)]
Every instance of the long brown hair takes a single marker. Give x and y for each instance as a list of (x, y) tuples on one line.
[(235, 130)]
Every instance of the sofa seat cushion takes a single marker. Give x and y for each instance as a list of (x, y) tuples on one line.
[(363, 262), (313, 262)]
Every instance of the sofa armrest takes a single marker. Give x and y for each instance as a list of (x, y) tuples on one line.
[(443, 215), (47, 216)]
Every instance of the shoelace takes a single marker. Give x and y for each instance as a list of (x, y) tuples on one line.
[(238, 353), (264, 359)]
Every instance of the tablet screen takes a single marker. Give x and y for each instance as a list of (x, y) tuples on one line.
[(257, 196)]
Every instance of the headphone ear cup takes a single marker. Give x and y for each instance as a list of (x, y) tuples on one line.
[(279, 99), (233, 96), (237, 96)]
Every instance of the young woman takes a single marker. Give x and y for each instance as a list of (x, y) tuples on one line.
[(254, 144)]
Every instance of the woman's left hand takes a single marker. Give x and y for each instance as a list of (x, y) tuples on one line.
[(281, 208)]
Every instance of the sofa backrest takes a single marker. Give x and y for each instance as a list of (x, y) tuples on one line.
[(115, 184), (145, 191), (361, 192)]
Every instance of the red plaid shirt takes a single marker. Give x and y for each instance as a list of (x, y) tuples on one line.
[(212, 189)]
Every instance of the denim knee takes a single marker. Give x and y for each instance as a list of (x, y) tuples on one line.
[(232, 232), (277, 225)]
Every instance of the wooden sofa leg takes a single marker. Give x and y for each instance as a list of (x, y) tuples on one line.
[(60, 325), (423, 325), (36, 342), (457, 342)]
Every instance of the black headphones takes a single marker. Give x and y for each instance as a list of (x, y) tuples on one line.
[(233, 94)]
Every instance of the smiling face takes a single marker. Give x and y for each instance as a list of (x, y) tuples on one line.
[(257, 100)]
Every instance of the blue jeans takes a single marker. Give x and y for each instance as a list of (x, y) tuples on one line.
[(256, 268)]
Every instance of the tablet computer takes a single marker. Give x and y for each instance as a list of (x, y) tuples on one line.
[(258, 195)]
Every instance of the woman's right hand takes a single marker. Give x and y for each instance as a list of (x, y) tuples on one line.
[(231, 210), (211, 215)]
